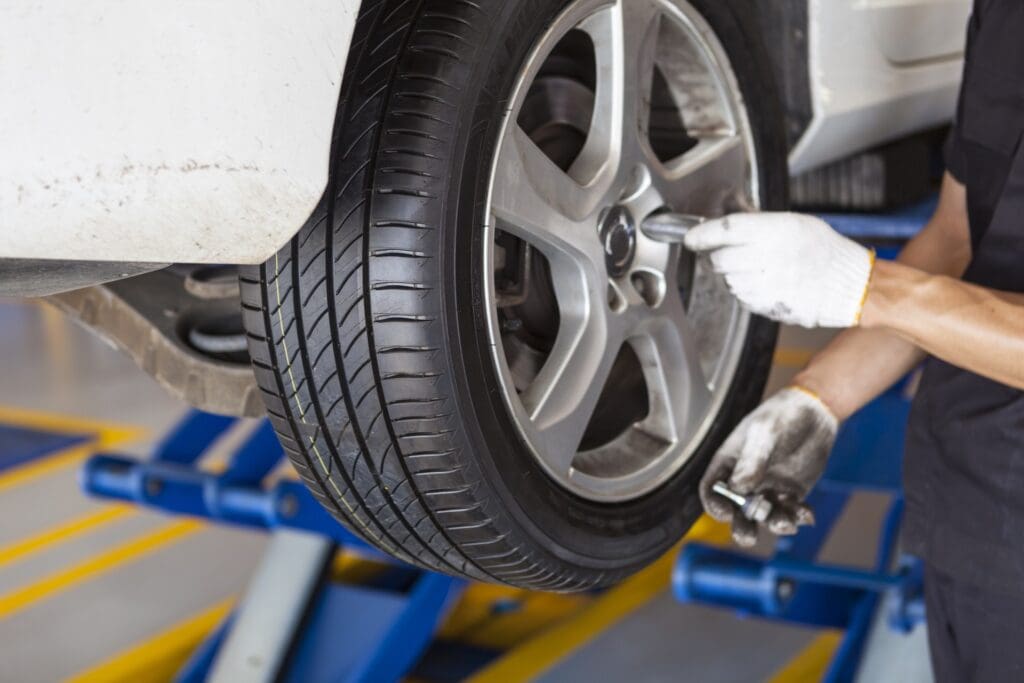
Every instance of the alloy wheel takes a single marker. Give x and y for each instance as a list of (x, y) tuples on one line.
[(615, 351)]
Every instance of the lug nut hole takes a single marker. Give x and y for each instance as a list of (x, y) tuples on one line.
[(649, 286), (616, 301)]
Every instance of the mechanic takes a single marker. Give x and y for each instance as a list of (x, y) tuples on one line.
[(956, 294)]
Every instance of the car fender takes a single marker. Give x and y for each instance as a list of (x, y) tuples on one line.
[(154, 131), (878, 71)]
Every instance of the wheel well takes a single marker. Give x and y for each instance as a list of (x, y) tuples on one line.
[(784, 25)]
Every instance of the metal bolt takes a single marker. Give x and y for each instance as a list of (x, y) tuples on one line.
[(288, 506), (755, 507), (154, 487)]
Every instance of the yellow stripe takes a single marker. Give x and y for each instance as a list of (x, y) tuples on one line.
[(789, 357), (23, 474), (811, 663), (867, 287), (474, 620), (160, 657), (537, 613), (105, 435), (352, 568), (108, 433), (814, 394), (22, 598), (540, 653), (64, 531)]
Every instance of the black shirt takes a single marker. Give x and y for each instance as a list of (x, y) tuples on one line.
[(964, 462), (990, 118)]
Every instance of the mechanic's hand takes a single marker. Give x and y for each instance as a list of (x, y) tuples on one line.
[(790, 267), (779, 450)]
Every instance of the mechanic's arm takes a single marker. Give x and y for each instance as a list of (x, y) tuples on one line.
[(978, 329), (861, 363), (797, 269)]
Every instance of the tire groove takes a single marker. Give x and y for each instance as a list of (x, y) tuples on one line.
[(290, 420), (340, 361), (378, 375)]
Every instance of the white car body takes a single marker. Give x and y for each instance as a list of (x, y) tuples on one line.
[(153, 131), (199, 132), (879, 70)]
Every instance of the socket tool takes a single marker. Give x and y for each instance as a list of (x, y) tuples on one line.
[(755, 508), (669, 227)]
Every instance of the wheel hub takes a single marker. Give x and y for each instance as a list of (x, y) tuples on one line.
[(618, 238)]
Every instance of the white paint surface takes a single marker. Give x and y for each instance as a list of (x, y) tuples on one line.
[(911, 31), (148, 130), (880, 69)]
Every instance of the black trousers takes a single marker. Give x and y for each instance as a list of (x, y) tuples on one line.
[(974, 635)]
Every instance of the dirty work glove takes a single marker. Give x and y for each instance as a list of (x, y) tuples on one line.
[(779, 450), (790, 267)]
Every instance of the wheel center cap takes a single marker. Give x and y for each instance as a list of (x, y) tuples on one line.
[(618, 237)]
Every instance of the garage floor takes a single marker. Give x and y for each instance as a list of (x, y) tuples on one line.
[(94, 591)]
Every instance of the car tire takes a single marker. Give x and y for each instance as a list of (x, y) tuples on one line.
[(369, 331)]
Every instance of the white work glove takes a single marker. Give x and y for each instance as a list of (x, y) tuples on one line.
[(778, 451), (790, 267)]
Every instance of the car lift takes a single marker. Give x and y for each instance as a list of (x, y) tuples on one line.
[(287, 597), (292, 625), (791, 585)]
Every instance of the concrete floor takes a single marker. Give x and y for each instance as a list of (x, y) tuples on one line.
[(52, 626), (55, 624)]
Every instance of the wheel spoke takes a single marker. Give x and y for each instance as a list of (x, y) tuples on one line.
[(624, 37), (536, 201), (705, 179), (668, 351), (640, 22), (562, 398)]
